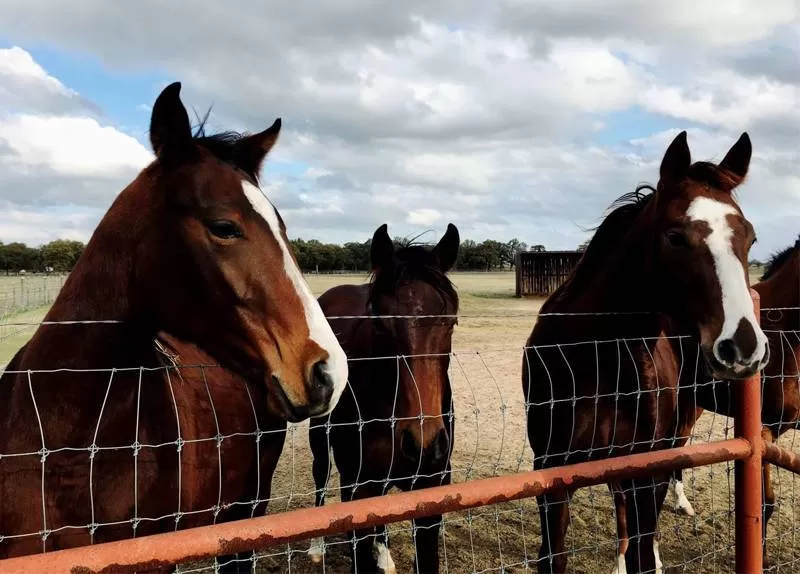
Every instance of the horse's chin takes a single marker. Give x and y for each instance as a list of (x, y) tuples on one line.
[(722, 372)]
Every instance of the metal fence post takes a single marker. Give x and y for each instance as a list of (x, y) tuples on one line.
[(748, 471)]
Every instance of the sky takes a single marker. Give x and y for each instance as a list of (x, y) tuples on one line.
[(509, 118)]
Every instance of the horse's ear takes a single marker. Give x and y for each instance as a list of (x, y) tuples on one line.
[(737, 160), (677, 160), (251, 151), (447, 248), (170, 131), (381, 250)]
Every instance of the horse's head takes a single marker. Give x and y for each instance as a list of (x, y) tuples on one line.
[(215, 267), (702, 241), (780, 287), (412, 281)]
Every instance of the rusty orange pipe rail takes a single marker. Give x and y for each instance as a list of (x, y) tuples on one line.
[(262, 532), (781, 457), (748, 472)]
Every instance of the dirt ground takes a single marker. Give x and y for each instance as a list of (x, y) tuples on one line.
[(491, 440)]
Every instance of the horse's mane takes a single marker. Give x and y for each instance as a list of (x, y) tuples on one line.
[(617, 222), (778, 259), (713, 175), (222, 145), (411, 262)]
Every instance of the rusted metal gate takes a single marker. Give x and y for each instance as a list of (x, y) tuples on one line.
[(540, 273), (747, 449)]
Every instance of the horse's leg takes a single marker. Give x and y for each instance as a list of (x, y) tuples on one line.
[(682, 504), (363, 542), (270, 450), (554, 517), (381, 551), (321, 469), (644, 499), (622, 527), (769, 494), (426, 544)]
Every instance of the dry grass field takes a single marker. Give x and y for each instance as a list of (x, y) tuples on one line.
[(491, 440)]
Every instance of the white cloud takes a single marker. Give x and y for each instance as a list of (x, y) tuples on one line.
[(423, 216), (417, 113), (70, 146), (26, 86)]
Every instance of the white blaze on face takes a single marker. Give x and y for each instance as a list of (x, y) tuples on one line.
[(319, 330), (736, 301)]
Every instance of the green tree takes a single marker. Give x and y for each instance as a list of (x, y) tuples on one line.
[(16, 256), (61, 254)]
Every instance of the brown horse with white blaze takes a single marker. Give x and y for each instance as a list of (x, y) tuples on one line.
[(117, 429), (393, 426), (779, 291), (603, 368)]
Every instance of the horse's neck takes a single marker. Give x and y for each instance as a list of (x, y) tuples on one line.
[(620, 297), (98, 289), (782, 292)]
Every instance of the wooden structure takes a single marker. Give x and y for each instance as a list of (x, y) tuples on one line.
[(540, 273)]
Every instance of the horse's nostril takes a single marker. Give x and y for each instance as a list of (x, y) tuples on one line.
[(726, 351), (441, 447), (321, 383), (408, 446)]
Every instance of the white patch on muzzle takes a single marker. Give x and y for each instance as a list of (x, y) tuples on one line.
[(319, 330), (736, 301)]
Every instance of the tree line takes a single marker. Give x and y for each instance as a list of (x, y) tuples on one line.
[(57, 256), (312, 255)]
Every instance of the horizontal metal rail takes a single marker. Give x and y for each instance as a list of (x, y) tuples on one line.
[(263, 532), (781, 457)]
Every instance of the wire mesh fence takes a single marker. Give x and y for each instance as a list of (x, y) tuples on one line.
[(488, 415), (23, 292)]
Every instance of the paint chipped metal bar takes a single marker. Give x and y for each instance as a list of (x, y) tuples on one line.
[(781, 457), (161, 550), (748, 472)]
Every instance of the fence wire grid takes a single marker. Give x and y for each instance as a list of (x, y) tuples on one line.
[(695, 529)]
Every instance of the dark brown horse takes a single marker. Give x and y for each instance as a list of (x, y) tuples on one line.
[(779, 289), (103, 434), (606, 379), (399, 389)]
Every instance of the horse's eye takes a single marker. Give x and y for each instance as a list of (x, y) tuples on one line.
[(754, 241), (677, 238), (224, 229)]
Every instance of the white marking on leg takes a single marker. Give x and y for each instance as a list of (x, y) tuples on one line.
[(319, 329), (383, 557), (659, 564), (620, 567), (682, 503), (316, 550), (736, 301)]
